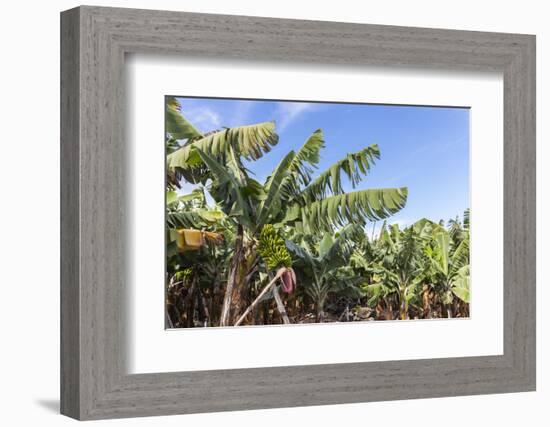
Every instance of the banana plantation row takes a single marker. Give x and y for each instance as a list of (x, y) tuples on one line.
[(298, 247)]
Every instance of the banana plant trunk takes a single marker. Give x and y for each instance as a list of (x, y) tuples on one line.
[(319, 305), (403, 305), (235, 274), (241, 291), (280, 306), (426, 305)]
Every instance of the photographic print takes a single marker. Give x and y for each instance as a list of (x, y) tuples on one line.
[(294, 212)]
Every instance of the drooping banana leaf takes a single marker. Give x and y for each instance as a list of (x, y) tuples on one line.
[(461, 284), (176, 124), (251, 142), (354, 208), (461, 255), (425, 228), (275, 189), (441, 258), (171, 197), (184, 219), (307, 158), (354, 166), (226, 189)]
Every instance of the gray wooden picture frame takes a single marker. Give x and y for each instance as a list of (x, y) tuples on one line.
[(94, 41)]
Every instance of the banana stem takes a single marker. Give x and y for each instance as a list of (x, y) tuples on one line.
[(259, 297)]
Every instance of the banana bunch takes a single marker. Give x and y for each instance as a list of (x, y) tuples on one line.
[(272, 248), (184, 274)]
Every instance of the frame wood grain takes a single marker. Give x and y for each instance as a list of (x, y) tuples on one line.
[(94, 42)]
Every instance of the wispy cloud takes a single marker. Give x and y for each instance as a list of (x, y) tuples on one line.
[(427, 151), (206, 119), (289, 112), (439, 148), (242, 113)]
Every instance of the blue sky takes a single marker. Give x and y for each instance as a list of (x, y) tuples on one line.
[(423, 148)]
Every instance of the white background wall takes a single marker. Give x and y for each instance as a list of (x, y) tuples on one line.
[(29, 212)]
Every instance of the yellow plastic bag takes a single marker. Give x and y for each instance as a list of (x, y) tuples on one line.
[(190, 240)]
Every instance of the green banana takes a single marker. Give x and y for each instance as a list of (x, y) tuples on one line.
[(272, 248)]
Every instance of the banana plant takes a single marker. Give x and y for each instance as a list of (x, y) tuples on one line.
[(400, 263), (459, 230), (321, 264), (282, 199), (450, 268)]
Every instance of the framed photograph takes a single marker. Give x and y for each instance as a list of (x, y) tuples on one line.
[(261, 213)]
